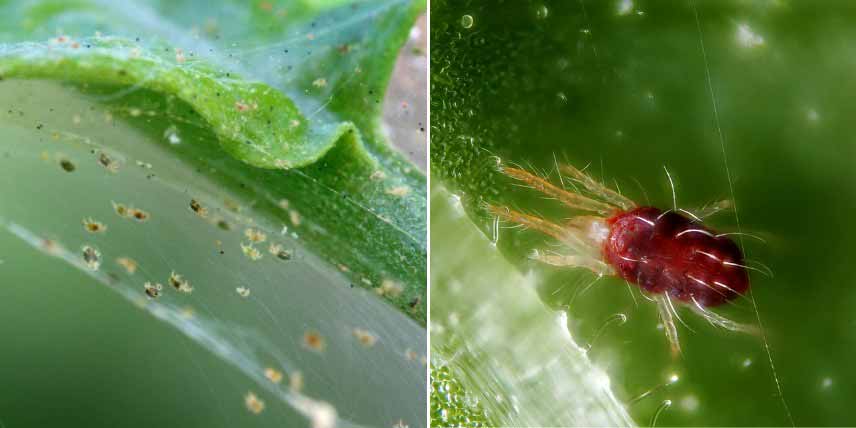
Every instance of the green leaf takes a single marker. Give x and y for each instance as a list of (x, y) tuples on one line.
[(494, 362), (743, 101), (215, 121)]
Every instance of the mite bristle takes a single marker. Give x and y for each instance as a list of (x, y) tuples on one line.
[(717, 320)]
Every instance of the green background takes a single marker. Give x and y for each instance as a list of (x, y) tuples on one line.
[(627, 94)]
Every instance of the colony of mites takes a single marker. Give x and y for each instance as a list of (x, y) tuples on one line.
[(669, 254)]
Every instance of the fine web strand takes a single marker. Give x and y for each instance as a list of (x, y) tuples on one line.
[(736, 214)]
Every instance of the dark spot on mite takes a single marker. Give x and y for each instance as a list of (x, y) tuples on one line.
[(140, 215), (67, 165), (105, 160), (222, 224)]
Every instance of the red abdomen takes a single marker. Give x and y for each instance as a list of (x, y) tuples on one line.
[(669, 253)]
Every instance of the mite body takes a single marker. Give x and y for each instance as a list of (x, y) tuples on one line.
[(670, 256), (668, 253)]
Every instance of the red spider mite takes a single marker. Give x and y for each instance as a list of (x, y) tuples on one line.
[(670, 255)]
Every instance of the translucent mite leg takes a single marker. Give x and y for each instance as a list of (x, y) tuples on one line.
[(599, 189), (572, 200), (527, 220), (664, 308), (598, 267), (717, 320), (572, 237), (714, 208)]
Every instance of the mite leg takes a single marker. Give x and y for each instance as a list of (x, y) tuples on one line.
[(713, 209), (599, 189), (717, 320), (664, 308), (591, 230), (597, 266), (527, 220), (572, 200)]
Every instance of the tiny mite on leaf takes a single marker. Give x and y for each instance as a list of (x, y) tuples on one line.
[(138, 214), (251, 252), (91, 257), (108, 163), (129, 264), (255, 235), (179, 283), (312, 340), (200, 210), (273, 375), (94, 226), (152, 290), (279, 252), (365, 337), (254, 403)]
